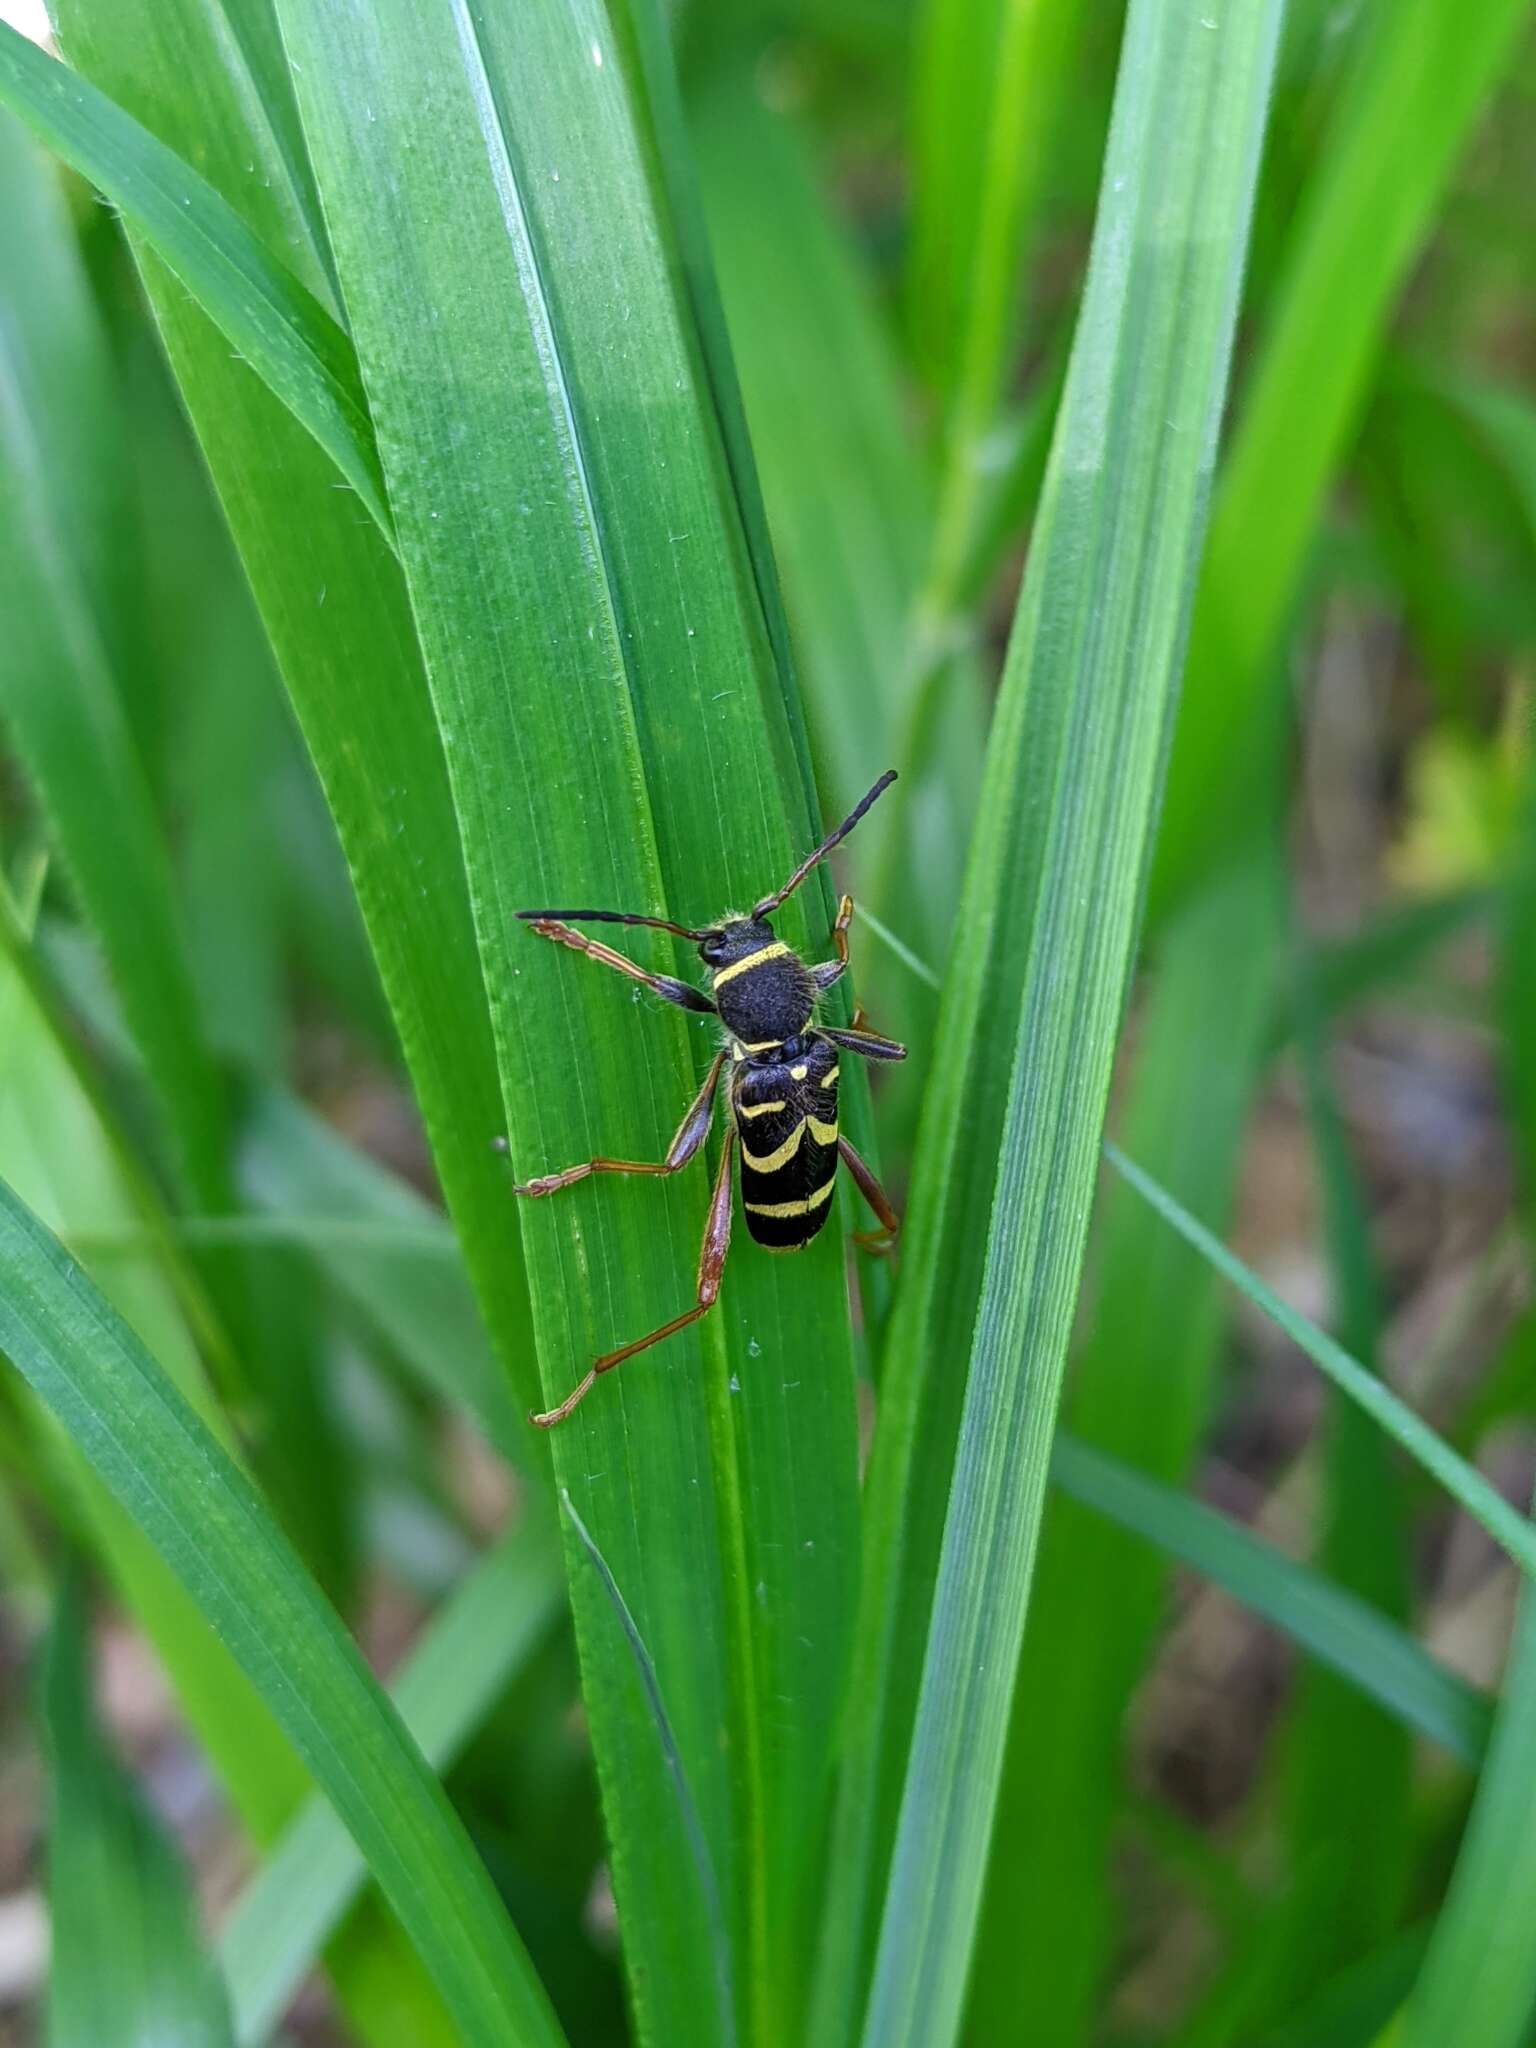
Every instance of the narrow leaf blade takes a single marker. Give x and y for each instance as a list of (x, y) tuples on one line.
[(127, 1963), (286, 336), (1067, 809), (209, 1523)]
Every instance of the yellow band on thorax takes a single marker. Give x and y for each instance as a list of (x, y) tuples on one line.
[(773, 952)]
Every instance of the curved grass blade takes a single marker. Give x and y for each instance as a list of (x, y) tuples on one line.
[(1478, 1981), (1372, 1654), (849, 503), (1424, 73), (464, 1661), (992, 82), (1389, 948), (335, 608), (601, 655), (205, 1518), (276, 325), (60, 1156), (59, 696), (845, 493), (1350, 2010), (1346, 1768), (62, 1150), (1512, 1531), (698, 1846), (387, 1251), (127, 1963), (1062, 840), (1143, 1388)]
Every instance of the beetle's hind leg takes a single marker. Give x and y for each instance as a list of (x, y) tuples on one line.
[(879, 1241), (686, 1140), (717, 1242)]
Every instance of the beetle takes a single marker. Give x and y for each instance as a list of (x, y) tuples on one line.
[(782, 1089)]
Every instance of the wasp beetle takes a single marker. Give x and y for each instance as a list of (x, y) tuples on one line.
[(783, 1084)]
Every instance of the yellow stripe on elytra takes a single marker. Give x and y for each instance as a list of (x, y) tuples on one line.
[(779, 1156), (824, 1134), (814, 1201), (773, 952), (757, 1108)]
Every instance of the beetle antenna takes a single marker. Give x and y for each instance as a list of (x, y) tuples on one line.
[(772, 902), (661, 924)]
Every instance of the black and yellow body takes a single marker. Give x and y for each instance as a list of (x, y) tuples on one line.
[(785, 1107), (782, 1088)]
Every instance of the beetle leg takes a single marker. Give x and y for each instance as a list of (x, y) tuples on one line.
[(717, 1242), (663, 985), (870, 1043), (686, 1140), (883, 1239), (826, 972)]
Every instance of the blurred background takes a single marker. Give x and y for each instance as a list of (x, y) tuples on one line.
[(1326, 1056)]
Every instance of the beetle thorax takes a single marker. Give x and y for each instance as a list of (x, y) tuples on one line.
[(762, 989)]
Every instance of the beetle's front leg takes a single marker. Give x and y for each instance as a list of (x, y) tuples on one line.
[(826, 972), (664, 985)]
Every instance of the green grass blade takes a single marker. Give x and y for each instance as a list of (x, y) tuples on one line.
[(336, 610), (1059, 856), (1375, 1656), (1511, 1530), (1423, 74), (389, 1254), (286, 336), (1506, 420), (1350, 2011), (845, 493), (62, 1151), (617, 734), (231, 750), (58, 695), (992, 83), (58, 1155), (698, 1847), (1479, 1977), (127, 1963), (1143, 1389), (182, 1489), (453, 1676), (989, 84), (1387, 950), (1478, 1980), (847, 497), (1347, 1768)]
